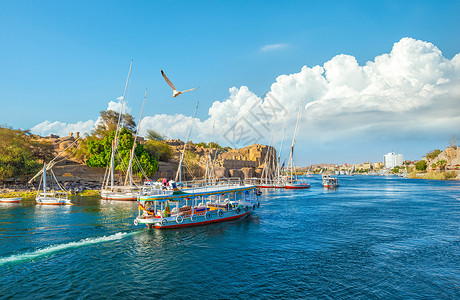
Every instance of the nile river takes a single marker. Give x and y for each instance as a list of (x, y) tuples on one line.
[(374, 237)]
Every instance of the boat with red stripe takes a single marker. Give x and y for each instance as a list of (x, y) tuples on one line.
[(198, 204)]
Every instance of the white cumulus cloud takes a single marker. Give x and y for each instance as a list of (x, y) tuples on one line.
[(413, 89), (47, 127)]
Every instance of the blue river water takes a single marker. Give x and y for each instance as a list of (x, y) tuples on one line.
[(373, 237)]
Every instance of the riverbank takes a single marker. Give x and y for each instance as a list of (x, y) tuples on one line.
[(435, 175), (32, 193)]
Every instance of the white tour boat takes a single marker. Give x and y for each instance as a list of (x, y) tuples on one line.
[(330, 182), (197, 204)]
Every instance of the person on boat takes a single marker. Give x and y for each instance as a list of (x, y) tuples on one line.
[(167, 210), (165, 181), (172, 185)]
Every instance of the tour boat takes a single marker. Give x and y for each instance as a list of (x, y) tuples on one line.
[(197, 205), (330, 182), (11, 200)]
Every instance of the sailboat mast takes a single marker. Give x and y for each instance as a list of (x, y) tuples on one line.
[(296, 130), (215, 154), (281, 149), (131, 157), (44, 177), (209, 156), (267, 156), (179, 168), (115, 140)]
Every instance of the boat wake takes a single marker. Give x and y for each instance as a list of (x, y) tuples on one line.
[(61, 247)]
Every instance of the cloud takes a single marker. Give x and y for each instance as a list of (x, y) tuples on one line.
[(413, 91), (272, 47), (62, 129)]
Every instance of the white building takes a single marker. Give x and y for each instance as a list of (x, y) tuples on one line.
[(392, 160)]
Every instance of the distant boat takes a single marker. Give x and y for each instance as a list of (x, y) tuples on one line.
[(330, 182), (11, 200), (292, 182)]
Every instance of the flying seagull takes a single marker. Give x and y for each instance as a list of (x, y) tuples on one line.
[(175, 92)]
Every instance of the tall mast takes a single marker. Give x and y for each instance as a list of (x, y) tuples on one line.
[(179, 168), (209, 156), (115, 140), (265, 169), (215, 154), (281, 149), (131, 157), (44, 177), (297, 125)]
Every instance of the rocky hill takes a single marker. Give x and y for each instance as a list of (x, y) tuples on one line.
[(246, 162)]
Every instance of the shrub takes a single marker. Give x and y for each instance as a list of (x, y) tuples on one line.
[(433, 154), (158, 149), (421, 165)]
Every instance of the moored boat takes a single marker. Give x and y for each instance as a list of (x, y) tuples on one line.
[(51, 198), (296, 184), (11, 200), (198, 205)]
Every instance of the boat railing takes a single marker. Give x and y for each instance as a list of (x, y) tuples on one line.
[(204, 184), (59, 195)]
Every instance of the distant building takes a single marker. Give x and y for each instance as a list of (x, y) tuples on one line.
[(392, 160)]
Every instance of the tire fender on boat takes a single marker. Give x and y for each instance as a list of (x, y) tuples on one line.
[(193, 218), (246, 208), (179, 219), (208, 215), (136, 222), (164, 222), (238, 210), (220, 213)]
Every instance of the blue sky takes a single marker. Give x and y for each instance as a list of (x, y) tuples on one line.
[(66, 60)]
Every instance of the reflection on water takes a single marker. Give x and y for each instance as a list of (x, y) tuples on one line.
[(373, 237)]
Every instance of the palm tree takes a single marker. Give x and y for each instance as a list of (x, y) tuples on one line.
[(442, 164)]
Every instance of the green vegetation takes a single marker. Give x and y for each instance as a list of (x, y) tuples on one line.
[(20, 154), (440, 175), (191, 161), (210, 145), (86, 193), (153, 135), (100, 151), (160, 150), (396, 169), (108, 123), (442, 164), (433, 154), (421, 165)]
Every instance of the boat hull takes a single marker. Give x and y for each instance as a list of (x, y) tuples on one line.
[(119, 196), (10, 200), (297, 186), (53, 202), (200, 219)]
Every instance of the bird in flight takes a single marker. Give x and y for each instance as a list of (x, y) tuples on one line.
[(175, 92)]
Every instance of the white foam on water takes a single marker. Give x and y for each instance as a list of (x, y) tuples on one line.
[(56, 248)]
